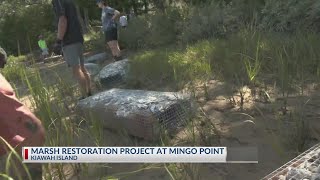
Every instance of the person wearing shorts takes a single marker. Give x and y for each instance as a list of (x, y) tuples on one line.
[(19, 127), (70, 42), (110, 28), (43, 46)]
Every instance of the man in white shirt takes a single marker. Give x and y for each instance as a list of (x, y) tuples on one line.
[(123, 21)]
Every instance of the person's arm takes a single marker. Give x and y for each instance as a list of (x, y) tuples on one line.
[(59, 7), (116, 15), (62, 27)]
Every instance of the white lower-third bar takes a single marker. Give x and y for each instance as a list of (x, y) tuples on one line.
[(124, 155)]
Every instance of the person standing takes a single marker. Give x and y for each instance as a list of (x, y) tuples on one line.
[(123, 21), (43, 46), (70, 42), (19, 127), (109, 26), (131, 15)]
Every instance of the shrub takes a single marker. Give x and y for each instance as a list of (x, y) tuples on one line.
[(164, 27), (134, 37), (172, 68), (192, 63), (14, 68), (252, 58), (247, 11), (150, 69), (290, 15), (211, 20), (161, 31), (95, 41), (238, 58), (21, 26), (153, 30)]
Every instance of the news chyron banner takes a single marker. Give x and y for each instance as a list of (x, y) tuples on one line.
[(138, 155)]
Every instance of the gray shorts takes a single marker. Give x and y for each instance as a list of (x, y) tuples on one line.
[(73, 54), (45, 52)]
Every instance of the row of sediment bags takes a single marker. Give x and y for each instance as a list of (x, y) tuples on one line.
[(140, 113)]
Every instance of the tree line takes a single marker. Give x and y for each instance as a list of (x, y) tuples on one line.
[(22, 21)]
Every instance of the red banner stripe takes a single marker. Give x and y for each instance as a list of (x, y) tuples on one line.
[(26, 154)]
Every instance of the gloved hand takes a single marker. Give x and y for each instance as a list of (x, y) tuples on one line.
[(57, 47)]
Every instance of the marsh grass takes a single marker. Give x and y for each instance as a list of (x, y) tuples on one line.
[(150, 69), (15, 68), (49, 101), (10, 165), (246, 58), (171, 68), (250, 58), (295, 128)]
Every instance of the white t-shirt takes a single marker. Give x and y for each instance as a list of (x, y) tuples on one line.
[(123, 21)]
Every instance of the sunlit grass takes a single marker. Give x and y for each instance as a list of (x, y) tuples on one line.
[(243, 59)]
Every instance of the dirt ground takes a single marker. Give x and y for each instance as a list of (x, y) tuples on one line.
[(257, 125)]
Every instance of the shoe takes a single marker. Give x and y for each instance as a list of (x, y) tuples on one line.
[(114, 58), (81, 98), (119, 58)]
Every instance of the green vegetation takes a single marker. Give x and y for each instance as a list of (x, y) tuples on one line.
[(15, 67), (178, 46)]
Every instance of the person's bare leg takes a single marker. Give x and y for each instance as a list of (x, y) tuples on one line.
[(117, 48), (86, 75), (113, 48), (88, 79), (113, 51), (79, 75), (110, 45)]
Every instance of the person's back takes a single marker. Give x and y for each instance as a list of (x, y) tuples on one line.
[(68, 9), (106, 18), (42, 44), (123, 21)]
